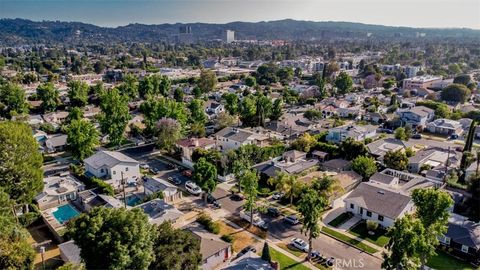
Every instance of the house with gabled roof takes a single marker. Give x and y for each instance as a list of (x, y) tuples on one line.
[(463, 236)]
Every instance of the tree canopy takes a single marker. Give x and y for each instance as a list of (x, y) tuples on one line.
[(78, 93), (82, 138), (205, 175), (49, 96), (115, 115), (365, 166), (455, 93), (396, 160)]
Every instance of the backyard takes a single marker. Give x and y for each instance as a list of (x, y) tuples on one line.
[(443, 261), (379, 238)]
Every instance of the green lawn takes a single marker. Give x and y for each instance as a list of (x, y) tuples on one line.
[(342, 218), (285, 261), (348, 239), (378, 238), (443, 261), (292, 250)]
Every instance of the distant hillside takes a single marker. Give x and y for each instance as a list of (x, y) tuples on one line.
[(20, 31)]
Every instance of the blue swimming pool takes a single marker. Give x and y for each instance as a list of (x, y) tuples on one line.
[(133, 200), (64, 213)]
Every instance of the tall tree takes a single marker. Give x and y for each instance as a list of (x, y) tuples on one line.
[(75, 114), (115, 115), (78, 93), (82, 138), (21, 173), (249, 181), (129, 87), (205, 175), (344, 83), (455, 93), (16, 251), (156, 108), (48, 94), (406, 245), (352, 149), (310, 207), (197, 113), (168, 132), (287, 184), (396, 160), (365, 166), (264, 108), (327, 186), (114, 238), (207, 80), (277, 109), (13, 99), (231, 105), (175, 249)]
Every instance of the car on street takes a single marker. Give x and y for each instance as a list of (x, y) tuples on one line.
[(292, 219), (278, 195), (416, 136), (300, 244), (257, 220), (154, 170), (174, 180), (236, 197), (273, 212), (193, 188), (213, 201)]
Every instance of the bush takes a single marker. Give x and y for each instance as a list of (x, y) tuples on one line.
[(372, 225), (152, 196), (208, 223), (28, 218), (227, 238), (102, 186)]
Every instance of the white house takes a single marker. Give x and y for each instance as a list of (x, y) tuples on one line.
[(58, 190), (416, 116), (374, 201), (112, 166), (358, 133), (445, 127), (188, 146), (232, 138)]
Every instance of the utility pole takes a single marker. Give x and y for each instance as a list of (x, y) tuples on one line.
[(446, 169), (123, 185)]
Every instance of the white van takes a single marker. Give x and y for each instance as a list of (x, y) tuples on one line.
[(193, 188)]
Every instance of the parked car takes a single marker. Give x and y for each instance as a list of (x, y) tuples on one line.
[(292, 219), (174, 180), (246, 249), (187, 173), (193, 188), (273, 212), (236, 197), (144, 166), (453, 136), (257, 220), (300, 244), (278, 195), (212, 200), (416, 136), (315, 255), (154, 170)]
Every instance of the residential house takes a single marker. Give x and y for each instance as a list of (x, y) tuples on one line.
[(463, 236), (336, 165), (214, 250), (188, 146), (154, 185), (420, 82), (432, 158), (445, 127), (213, 109), (58, 190), (373, 201), (380, 147), (87, 199), (232, 138), (56, 143), (375, 117), (358, 133), (291, 162), (57, 117), (416, 116), (113, 167), (159, 211), (247, 261), (70, 252)]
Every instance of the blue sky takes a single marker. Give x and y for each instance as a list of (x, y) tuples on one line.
[(415, 13)]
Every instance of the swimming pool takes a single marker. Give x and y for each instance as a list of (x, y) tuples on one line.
[(64, 213), (133, 200)]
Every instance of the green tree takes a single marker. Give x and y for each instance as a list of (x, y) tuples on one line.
[(406, 245), (310, 207), (249, 181), (327, 186), (78, 93), (464, 79), (82, 138), (263, 110), (154, 85), (21, 174), (115, 115), (114, 238), (365, 166), (13, 99), (277, 109), (205, 175), (396, 160), (455, 93), (352, 149), (16, 251), (285, 75), (207, 80), (266, 252), (75, 114), (168, 132), (178, 94), (250, 81), (231, 105), (304, 143), (155, 108), (175, 249), (129, 87), (248, 110), (197, 113), (403, 133), (48, 94), (344, 83), (288, 184)]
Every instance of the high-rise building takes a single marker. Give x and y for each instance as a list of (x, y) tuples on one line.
[(229, 36), (185, 35), (185, 29)]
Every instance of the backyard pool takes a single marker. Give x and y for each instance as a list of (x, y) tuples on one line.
[(133, 200), (64, 213)]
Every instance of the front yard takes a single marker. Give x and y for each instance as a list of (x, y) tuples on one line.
[(342, 218), (285, 261), (348, 239), (379, 238), (443, 261)]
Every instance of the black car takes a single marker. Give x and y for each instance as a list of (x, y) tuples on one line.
[(236, 197), (245, 250), (273, 212), (212, 200), (416, 136)]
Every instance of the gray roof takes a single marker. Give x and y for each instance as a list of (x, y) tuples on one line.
[(156, 185), (380, 200), (159, 211), (58, 140), (421, 111), (71, 252), (382, 178), (463, 231), (337, 163), (234, 134), (210, 244), (108, 159), (249, 261)]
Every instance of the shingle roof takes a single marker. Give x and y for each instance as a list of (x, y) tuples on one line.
[(382, 178), (463, 231), (210, 244), (108, 158), (234, 134), (71, 251), (377, 199)]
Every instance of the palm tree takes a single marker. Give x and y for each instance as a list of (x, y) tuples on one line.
[(287, 184), (327, 186), (310, 207)]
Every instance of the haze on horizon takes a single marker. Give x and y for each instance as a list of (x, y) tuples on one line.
[(411, 13)]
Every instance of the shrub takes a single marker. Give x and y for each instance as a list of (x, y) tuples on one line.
[(372, 225), (266, 253), (227, 238), (208, 223), (28, 218)]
